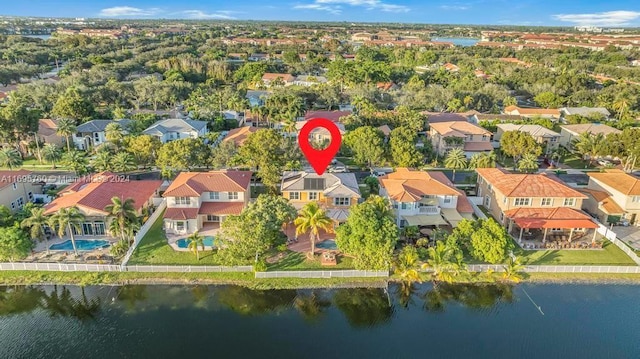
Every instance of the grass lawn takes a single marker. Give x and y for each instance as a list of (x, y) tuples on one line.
[(299, 261), (576, 162), (348, 161), (154, 249), (610, 254)]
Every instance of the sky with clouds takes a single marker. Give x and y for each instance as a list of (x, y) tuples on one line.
[(499, 12)]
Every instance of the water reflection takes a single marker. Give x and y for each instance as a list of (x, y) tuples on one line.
[(361, 307)]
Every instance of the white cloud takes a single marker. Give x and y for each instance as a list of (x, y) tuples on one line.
[(334, 6), (201, 15), (122, 11), (608, 18), (454, 7)]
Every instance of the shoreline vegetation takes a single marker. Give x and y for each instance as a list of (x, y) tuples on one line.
[(248, 280)]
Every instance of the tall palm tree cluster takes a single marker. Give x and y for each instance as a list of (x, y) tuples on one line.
[(457, 160)]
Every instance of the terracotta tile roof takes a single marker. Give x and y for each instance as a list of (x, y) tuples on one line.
[(273, 76), (604, 200), (95, 193), (181, 213), (532, 111), (239, 135), (193, 184), (334, 116), (527, 185), (406, 185), (224, 208), (478, 146), (9, 177), (458, 129), (561, 217), (618, 180)]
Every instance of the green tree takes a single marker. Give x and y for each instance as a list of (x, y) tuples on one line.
[(517, 143), (265, 150), (122, 214), (51, 153), (445, 261), (183, 154), (66, 128), (483, 160), (402, 143), (102, 161), (367, 145), (14, 244), (77, 161), (20, 119), (455, 160), (124, 162), (35, 224), (406, 265), (114, 133), (489, 241), (195, 241), (66, 220), (224, 155), (10, 157), (548, 100), (144, 148), (312, 219), (509, 101), (369, 234), (72, 104), (512, 270), (528, 163)]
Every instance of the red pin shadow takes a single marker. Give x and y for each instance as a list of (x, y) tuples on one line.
[(319, 159)]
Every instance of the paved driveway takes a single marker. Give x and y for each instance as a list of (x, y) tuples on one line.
[(630, 235)]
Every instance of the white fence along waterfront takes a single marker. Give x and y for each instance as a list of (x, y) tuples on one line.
[(143, 230), (61, 267), (324, 274), (557, 269), (611, 236), (185, 269)]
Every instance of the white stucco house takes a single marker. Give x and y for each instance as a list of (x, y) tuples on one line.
[(176, 129)]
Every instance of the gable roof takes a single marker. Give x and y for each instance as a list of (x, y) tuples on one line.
[(333, 116), (272, 76), (47, 126), (95, 192), (533, 111), (333, 184), (585, 111), (435, 117), (527, 185), (174, 125), (592, 128), (239, 135), (407, 185), (458, 129), (101, 125), (193, 184), (560, 217), (533, 130), (604, 199), (618, 180)]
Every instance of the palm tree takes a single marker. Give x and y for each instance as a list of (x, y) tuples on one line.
[(103, 161), (406, 265), (455, 160), (621, 106), (77, 161), (483, 160), (528, 162), (67, 219), (195, 240), (124, 162), (36, 222), (439, 261), (10, 157), (312, 219), (123, 213), (512, 270), (66, 128), (113, 132), (51, 153)]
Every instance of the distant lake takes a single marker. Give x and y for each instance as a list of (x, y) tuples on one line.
[(458, 41), (43, 37), (422, 321)]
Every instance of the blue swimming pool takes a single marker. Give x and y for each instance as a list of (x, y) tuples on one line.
[(81, 245), (327, 244), (184, 242)]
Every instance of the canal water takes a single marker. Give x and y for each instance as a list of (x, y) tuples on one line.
[(422, 321)]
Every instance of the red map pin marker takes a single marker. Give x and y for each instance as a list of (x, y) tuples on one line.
[(319, 159)]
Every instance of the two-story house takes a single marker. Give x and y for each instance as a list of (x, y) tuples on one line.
[(92, 133), (533, 202), (569, 133), (424, 198), (622, 189), (17, 188), (176, 129), (202, 200), (92, 193), (547, 138), (335, 192), (459, 134)]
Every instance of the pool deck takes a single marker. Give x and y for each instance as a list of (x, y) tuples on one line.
[(209, 230), (42, 246), (303, 244)]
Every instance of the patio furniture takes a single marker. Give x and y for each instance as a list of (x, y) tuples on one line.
[(328, 259)]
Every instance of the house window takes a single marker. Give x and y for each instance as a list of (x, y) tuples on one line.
[(87, 229), (568, 202), (487, 201), (180, 226), (522, 202), (447, 199), (183, 200), (30, 194), (547, 202), (233, 195), (484, 137), (15, 186), (214, 195), (635, 199), (294, 195), (20, 202), (505, 200), (100, 228), (13, 205), (313, 196), (212, 218), (501, 216), (345, 201)]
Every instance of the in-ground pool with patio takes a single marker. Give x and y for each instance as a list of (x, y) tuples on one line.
[(81, 245), (327, 244), (184, 242)]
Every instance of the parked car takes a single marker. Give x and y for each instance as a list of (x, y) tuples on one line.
[(605, 163), (338, 169)]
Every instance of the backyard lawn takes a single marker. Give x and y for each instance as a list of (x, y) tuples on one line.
[(153, 249), (575, 161), (610, 254), (299, 261)]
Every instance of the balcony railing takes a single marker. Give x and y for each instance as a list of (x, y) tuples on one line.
[(429, 210)]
